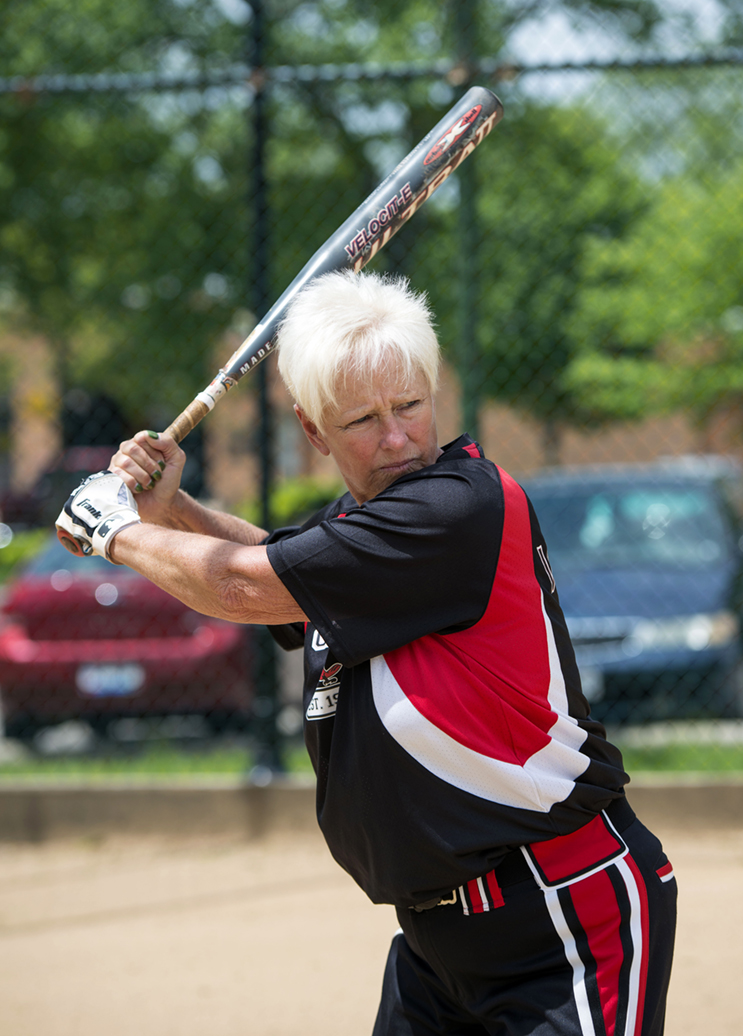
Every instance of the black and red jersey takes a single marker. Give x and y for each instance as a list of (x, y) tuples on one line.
[(443, 710)]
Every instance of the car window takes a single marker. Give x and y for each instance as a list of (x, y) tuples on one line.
[(627, 526)]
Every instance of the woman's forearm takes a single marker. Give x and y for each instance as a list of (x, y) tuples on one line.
[(212, 575), (188, 515)]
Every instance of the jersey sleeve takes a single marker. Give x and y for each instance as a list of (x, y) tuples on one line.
[(417, 559), (290, 636)]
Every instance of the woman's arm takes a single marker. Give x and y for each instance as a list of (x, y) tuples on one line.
[(151, 465), (209, 560), (211, 575)]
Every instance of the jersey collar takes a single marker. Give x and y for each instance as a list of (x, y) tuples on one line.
[(457, 449)]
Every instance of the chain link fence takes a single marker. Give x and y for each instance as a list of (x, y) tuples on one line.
[(165, 172)]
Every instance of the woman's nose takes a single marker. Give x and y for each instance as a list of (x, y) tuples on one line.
[(393, 434)]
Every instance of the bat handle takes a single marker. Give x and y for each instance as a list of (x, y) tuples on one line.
[(187, 421)]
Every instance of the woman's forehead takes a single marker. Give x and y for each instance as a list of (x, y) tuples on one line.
[(388, 383)]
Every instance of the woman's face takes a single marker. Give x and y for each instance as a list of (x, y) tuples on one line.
[(380, 430)]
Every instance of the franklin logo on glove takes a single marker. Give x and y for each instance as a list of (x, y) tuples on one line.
[(100, 507), (89, 507)]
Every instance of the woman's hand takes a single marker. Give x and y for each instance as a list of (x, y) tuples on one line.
[(151, 466)]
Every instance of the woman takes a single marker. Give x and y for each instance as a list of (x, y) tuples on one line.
[(460, 776)]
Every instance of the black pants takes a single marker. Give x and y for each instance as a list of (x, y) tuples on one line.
[(544, 955)]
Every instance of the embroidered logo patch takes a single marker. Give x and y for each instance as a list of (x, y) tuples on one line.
[(324, 701)]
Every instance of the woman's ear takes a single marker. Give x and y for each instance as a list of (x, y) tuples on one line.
[(312, 432)]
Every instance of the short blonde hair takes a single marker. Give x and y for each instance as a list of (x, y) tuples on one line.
[(354, 325)]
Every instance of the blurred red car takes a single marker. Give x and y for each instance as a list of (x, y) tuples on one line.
[(86, 640)]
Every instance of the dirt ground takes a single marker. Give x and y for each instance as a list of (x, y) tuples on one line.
[(270, 938)]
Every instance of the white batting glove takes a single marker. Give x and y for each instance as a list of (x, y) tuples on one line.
[(101, 506)]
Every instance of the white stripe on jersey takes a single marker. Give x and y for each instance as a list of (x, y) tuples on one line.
[(546, 778)]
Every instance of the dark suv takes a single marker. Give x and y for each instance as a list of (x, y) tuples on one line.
[(647, 560)]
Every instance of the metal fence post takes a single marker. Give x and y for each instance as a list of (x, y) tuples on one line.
[(469, 374), (268, 755)]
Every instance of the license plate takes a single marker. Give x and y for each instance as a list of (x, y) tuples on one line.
[(110, 681)]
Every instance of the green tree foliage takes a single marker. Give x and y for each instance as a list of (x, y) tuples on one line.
[(561, 186), (125, 220), (120, 240), (122, 217), (662, 324)]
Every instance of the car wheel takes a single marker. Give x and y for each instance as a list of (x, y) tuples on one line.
[(101, 726), (732, 705), (22, 728), (221, 723)]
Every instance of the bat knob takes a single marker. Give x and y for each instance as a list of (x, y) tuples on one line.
[(75, 546)]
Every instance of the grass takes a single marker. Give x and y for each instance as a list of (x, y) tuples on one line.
[(683, 758), (156, 760), (693, 746), (163, 759)]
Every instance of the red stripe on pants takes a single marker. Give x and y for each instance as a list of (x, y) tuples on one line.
[(596, 905), (494, 889), (598, 912)]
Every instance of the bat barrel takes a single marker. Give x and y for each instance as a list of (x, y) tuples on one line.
[(384, 211), (364, 233)]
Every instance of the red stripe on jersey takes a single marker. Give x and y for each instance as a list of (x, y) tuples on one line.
[(488, 686), (495, 890), (472, 450), (567, 855), (597, 910)]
